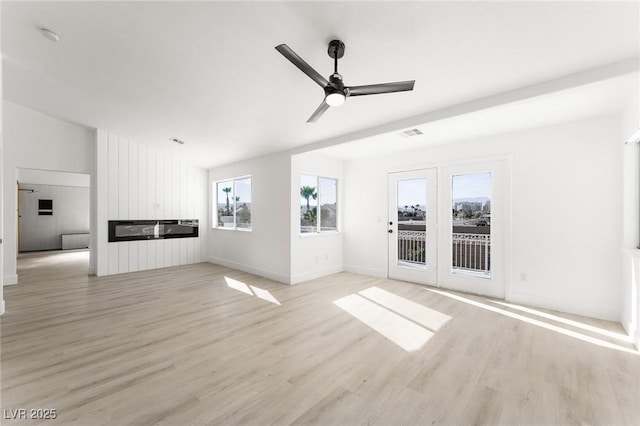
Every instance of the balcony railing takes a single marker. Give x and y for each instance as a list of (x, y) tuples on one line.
[(411, 246), (471, 252)]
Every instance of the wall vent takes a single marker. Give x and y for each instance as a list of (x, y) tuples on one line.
[(410, 132)]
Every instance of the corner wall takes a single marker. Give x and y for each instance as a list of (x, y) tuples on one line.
[(135, 182), (630, 317), (36, 141), (265, 250), (566, 200)]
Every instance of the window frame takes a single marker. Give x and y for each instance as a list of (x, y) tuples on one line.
[(233, 181), (319, 230)]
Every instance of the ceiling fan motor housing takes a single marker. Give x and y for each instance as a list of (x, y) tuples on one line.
[(335, 80)]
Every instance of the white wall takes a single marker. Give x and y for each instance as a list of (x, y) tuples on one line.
[(265, 250), (70, 215), (135, 182), (566, 201), (2, 236), (37, 141), (46, 177), (314, 255), (630, 316)]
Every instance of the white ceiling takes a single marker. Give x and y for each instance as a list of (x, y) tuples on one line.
[(208, 73), (598, 99)]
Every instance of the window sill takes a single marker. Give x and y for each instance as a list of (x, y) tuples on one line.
[(317, 234), (231, 229)]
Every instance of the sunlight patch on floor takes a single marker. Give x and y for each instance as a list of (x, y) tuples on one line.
[(264, 295), (251, 290), (404, 333), (535, 322), (408, 324), (420, 314)]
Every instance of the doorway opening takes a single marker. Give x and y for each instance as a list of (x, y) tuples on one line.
[(53, 221)]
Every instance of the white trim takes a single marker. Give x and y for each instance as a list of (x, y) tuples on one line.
[(285, 279), (307, 276), (10, 279), (632, 332), (593, 311), (360, 270), (2, 307), (309, 234)]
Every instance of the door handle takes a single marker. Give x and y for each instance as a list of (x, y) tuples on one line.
[(390, 231)]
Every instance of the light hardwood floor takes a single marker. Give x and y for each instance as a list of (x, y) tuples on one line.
[(189, 345)]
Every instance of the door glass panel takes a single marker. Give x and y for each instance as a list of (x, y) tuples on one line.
[(471, 233), (411, 235)]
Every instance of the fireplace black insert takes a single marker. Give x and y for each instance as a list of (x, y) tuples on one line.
[(133, 230)]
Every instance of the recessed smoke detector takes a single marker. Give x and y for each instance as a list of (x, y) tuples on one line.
[(411, 132), (50, 35), (176, 140)]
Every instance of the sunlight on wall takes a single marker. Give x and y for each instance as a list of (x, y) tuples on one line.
[(251, 290), (407, 324), (535, 322), (572, 323)]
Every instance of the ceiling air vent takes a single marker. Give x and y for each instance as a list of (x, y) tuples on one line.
[(176, 140), (410, 132)]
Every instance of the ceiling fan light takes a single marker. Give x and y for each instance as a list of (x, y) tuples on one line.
[(335, 99)]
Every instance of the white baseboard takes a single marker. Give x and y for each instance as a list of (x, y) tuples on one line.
[(379, 273), (601, 312), (312, 275), (275, 276), (2, 308), (10, 280)]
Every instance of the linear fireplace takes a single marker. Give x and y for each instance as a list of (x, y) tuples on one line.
[(132, 230)]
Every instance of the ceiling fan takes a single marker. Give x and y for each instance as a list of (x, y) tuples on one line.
[(335, 91)]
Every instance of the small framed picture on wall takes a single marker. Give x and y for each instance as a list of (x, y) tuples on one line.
[(45, 207)]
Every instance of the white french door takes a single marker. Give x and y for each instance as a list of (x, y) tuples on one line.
[(412, 226), (447, 227)]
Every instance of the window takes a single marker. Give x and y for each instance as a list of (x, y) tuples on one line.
[(233, 204), (323, 192)]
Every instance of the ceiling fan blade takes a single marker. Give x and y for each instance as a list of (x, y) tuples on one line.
[(302, 65), (375, 89), (318, 112)]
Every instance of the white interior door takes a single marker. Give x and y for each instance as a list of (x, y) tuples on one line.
[(413, 226), (472, 228)]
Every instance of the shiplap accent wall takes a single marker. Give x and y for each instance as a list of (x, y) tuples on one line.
[(137, 183)]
